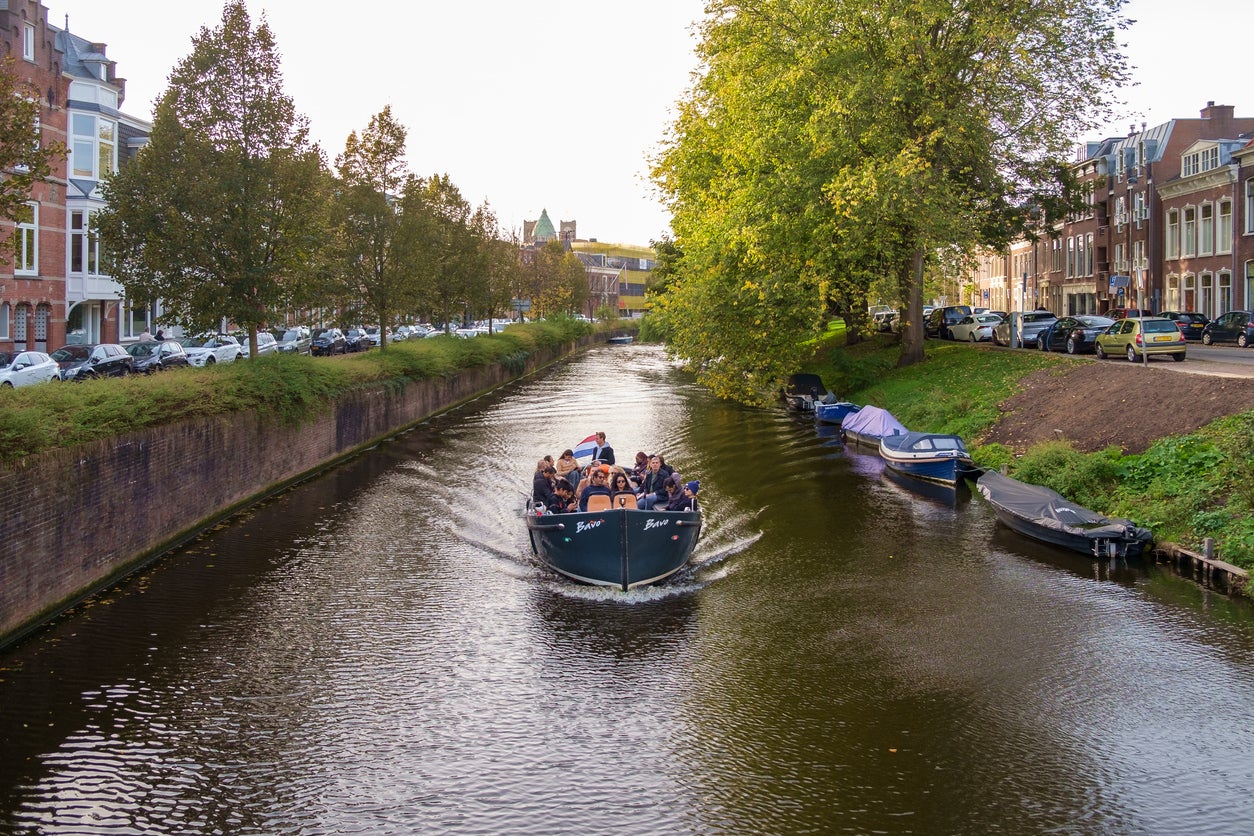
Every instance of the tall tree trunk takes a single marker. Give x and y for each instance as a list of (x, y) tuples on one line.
[(912, 333)]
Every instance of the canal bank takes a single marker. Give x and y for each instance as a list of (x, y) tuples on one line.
[(79, 519)]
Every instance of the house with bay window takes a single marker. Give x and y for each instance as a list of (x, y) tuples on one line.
[(100, 137), (1199, 205), (56, 287)]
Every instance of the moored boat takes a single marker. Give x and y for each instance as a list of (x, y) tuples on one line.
[(869, 424), (936, 457), (621, 547), (834, 413), (1043, 514), (804, 391), (622, 339)]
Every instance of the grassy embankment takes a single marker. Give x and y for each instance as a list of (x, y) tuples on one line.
[(38, 418), (1185, 488)]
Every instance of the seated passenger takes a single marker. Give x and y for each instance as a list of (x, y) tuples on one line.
[(621, 491), (651, 487), (564, 498), (566, 463), (542, 486), (597, 484)]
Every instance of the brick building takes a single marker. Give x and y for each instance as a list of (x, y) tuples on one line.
[(55, 288), (1156, 200), (32, 278)]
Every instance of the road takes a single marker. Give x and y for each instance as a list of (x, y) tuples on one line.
[(1221, 360)]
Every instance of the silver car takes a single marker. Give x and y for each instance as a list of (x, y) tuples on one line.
[(23, 368), (1020, 328)]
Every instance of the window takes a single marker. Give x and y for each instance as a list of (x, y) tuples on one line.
[(1225, 291), (1119, 265), (28, 42), (26, 241), (1070, 257), (1188, 239), (1173, 293), (1249, 283), (94, 150), (1249, 208), (5, 315), (1173, 234), (135, 320), (1190, 293), (1088, 254), (1206, 294), (1223, 230), (1138, 208), (1120, 214), (1206, 230), (1210, 158), (84, 245)]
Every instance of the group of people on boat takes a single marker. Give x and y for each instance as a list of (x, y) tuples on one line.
[(563, 486)]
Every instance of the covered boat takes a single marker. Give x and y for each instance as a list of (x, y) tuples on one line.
[(936, 457), (834, 413), (803, 391), (620, 547), (869, 424), (1042, 514)]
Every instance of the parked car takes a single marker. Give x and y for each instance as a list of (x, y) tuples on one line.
[(295, 340), (1124, 313), (375, 334), (975, 328), (1124, 336), (882, 321), (208, 349), (85, 362), (1232, 327), (1073, 334), (940, 320), (1190, 323), (266, 344), (356, 339), (1020, 328), (328, 341), (153, 356), (24, 368)]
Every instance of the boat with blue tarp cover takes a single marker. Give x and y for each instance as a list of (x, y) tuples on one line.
[(1043, 514), (936, 457), (618, 547), (869, 424)]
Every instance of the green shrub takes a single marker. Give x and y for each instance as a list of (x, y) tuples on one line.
[(1088, 479)]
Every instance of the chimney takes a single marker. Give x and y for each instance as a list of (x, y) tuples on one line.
[(1220, 118)]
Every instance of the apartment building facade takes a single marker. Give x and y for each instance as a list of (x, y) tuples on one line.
[(1167, 224), (55, 286)]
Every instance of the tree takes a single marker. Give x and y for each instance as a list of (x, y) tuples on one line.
[(221, 212), (443, 244), (830, 143), (24, 159), (557, 281), (369, 216)]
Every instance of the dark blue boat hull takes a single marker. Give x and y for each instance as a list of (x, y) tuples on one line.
[(619, 548)]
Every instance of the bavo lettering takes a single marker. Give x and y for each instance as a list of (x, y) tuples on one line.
[(655, 523), (586, 526)]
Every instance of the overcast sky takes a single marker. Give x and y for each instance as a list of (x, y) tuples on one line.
[(557, 105)]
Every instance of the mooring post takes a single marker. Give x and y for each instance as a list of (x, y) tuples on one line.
[(1208, 548)]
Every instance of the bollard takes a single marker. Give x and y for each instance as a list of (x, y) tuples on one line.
[(1208, 548)]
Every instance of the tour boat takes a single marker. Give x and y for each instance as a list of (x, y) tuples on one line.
[(936, 457), (1042, 514), (619, 547)]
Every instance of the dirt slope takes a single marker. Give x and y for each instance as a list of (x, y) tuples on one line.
[(1096, 404)]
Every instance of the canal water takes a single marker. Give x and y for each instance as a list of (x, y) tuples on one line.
[(376, 652)]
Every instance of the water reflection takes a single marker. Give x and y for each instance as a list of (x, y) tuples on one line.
[(376, 651)]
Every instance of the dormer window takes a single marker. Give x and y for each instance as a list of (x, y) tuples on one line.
[(1199, 161)]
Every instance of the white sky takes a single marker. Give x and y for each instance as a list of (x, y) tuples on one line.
[(556, 105)]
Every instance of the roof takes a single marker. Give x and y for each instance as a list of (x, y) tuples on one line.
[(544, 227)]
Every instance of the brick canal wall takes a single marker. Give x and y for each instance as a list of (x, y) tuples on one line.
[(74, 521)]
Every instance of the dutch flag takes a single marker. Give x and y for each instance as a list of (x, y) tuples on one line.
[(586, 447)]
